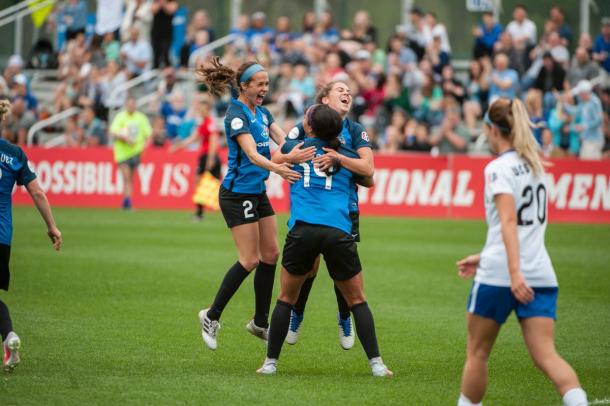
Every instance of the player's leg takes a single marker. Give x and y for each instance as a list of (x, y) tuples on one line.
[(127, 175), (298, 310), (538, 333), (482, 333), (10, 340), (200, 170)]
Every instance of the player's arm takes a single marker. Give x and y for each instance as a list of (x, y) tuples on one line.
[(363, 165), (191, 139), (505, 204), (247, 144), (296, 155), (213, 147), (366, 181), (42, 204)]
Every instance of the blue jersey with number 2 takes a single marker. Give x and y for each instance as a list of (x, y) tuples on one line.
[(318, 198)]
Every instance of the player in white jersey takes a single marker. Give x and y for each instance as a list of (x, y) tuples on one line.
[(514, 271)]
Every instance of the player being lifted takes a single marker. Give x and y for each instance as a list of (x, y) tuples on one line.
[(320, 225), (14, 169), (243, 199), (336, 95), (514, 271)]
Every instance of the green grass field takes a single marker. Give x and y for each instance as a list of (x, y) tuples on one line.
[(112, 318)]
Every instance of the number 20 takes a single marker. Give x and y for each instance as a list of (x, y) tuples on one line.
[(528, 194)]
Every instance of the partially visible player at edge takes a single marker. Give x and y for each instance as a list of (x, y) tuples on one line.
[(336, 95), (514, 271), (243, 200), (320, 225), (14, 169)]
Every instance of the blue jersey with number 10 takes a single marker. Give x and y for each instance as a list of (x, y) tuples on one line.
[(318, 198)]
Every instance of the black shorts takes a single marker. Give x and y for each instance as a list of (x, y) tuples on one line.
[(306, 241), (355, 217), (240, 208), (215, 171), (132, 162), (5, 256)]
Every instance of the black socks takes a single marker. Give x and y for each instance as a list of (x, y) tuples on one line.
[(5, 321), (299, 306), (233, 279), (280, 321), (365, 328), (263, 289), (342, 304)]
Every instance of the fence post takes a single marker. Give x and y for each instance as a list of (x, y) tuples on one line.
[(585, 11), (18, 35)]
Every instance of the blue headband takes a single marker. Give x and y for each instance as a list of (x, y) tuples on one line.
[(488, 121), (248, 73)]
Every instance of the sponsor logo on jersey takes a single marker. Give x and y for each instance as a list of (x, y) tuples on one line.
[(364, 136), (237, 123), (262, 144)]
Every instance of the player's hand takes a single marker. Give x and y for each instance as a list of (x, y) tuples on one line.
[(55, 236), (520, 289), (285, 171), (299, 155), (468, 266), (328, 160)]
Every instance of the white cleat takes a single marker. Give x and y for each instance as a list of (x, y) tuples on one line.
[(378, 368), (256, 331), (346, 332), (269, 367), (294, 329), (11, 347), (209, 329)]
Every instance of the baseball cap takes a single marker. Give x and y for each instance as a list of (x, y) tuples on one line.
[(20, 79), (16, 61), (584, 86), (605, 20), (362, 54)]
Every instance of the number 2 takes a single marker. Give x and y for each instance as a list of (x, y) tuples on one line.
[(248, 209)]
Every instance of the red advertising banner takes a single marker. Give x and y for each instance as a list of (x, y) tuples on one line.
[(405, 185)]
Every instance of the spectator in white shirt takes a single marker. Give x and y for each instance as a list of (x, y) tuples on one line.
[(108, 16), (522, 29), (136, 54), (438, 31)]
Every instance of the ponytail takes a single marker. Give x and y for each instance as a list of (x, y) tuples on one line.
[(218, 78), (523, 139)]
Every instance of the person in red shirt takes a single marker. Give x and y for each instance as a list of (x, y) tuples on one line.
[(207, 134)]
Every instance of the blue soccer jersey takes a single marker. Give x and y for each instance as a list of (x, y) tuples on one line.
[(353, 136), (318, 198), (13, 169), (243, 176)]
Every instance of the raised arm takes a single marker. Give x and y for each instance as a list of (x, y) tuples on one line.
[(247, 144)]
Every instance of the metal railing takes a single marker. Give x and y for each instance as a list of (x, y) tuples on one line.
[(16, 13), (227, 39), (72, 111)]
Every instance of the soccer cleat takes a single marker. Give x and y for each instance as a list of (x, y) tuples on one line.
[(11, 352), (256, 331), (269, 367), (346, 332), (294, 329), (209, 329), (378, 368)]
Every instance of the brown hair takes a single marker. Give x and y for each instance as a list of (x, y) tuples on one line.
[(325, 90), (5, 109), (219, 77), (511, 118)]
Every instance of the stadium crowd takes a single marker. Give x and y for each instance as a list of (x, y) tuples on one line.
[(406, 92)]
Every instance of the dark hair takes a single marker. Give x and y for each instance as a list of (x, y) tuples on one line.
[(326, 124), (521, 6), (219, 77)]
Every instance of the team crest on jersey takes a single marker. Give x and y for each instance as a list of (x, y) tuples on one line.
[(293, 134), (492, 177), (265, 120), (341, 139), (265, 132), (237, 123), (364, 136)]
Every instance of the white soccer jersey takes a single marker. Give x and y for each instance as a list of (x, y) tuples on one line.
[(511, 174)]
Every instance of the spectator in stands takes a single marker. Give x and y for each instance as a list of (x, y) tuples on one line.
[(552, 78), (301, 89), (13, 68), (452, 87), (439, 58), (504, 82), (606, 106), (362, 29), (582, 67), (93, 129), (200, 39), (558, 17), (108, 17), (477, 90), (19, 123), (565, 140), (438, 30), (395, 96), (130, 129), (20, 90), (138, 14), (518, 58), (601, 48), (521, 29), (418, 137), (161, 33), (586, 42), (200, 21), (136, 54), (533, 103), (74, 16), (486, 34), (399, 58), (588, 113), (258, 32), (73, 136), (452, 136), (112, 79), (111, 47), (174, 113), (420, 35), (326, 30), (395, 133)]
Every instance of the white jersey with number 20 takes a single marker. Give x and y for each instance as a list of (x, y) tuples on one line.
[(511, 174)]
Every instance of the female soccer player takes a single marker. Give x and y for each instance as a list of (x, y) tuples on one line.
[(14, 169), (209, 161), (320, 224), (336, 95), (514, 271), (243, 200)]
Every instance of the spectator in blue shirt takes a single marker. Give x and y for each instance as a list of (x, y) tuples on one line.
[(74, 16), (601, 46), (258, 32), (504, 82), (486, 35), (174, 114), (558, 18)]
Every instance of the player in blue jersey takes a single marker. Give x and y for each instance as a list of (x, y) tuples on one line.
[(243, 200), (320, 225), (14, 169), (336, 95)]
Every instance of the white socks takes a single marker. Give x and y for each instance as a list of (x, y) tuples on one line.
[(575, 397), (464, 401)]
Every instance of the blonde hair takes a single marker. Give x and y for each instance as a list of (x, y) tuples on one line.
[(5, 109), (511, 118)]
